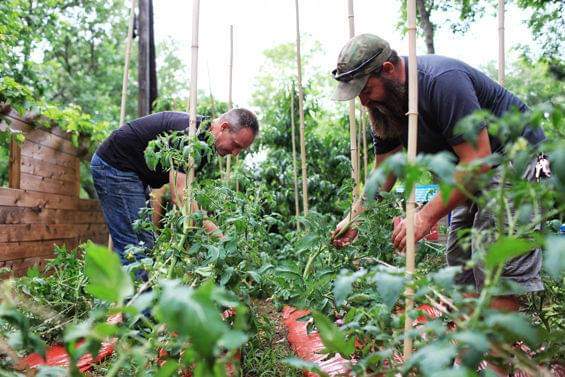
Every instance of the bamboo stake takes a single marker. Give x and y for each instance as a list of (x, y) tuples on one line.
[(352, 125), (359, 133), (230, 103), (125, 79), (301, 113), (501, 56), (365, 150), (214, 113), (412, 147), (294, 169), (192, 108)]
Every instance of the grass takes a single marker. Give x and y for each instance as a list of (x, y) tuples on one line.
[(265, 351)]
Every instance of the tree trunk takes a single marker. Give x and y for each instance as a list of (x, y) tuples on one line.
[(147, 76), (426, 25)]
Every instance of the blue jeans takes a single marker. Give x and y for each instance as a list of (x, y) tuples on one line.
[(122, 195)]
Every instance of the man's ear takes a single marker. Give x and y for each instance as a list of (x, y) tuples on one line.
[(388, 68), (224, 126)]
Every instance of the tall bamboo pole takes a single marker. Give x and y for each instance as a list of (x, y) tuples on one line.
[(125, 79), (364, 141), (214, 112), (412, 147), (352, 125), (501, 56), (126, 63), (192, 105), (301, 113), (230, 103), (294, 168)]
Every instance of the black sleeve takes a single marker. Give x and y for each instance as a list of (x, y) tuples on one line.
[(452, 98)]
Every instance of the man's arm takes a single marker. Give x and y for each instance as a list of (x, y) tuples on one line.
[(358, 207), (177, 182), (432, 212)]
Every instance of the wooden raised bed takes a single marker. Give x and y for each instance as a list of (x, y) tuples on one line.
[(41, 206)]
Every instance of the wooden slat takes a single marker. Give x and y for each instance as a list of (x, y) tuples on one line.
[(14, 167), (40, 232), (76, 184), (23, 215), (41, 184), (25, 198), (42, 136), (61, 133), (50, 155), (20, 250), (42, 168), (36, 120), (19, 267)]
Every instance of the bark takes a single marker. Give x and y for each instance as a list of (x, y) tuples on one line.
[(426, 25)]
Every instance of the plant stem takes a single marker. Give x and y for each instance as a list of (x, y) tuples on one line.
[(308, 266)]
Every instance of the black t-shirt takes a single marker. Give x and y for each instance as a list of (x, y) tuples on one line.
[(124, 149), (448, 91)]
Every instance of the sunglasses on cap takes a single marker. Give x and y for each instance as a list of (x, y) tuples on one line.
[(346, 76)]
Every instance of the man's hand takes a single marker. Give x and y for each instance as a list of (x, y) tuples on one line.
[(422, 227), (212, 229), (340, 237)]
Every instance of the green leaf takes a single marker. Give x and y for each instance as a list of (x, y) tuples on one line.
[(506, 248), (333, 338), (446, 276), (103, 330), (554, 257), (168, 369), (107, 279), (515, 324), (233, 339), (343, 285), (475, 339), (305, 365), (192, 313), (434, 357), (389, 287)]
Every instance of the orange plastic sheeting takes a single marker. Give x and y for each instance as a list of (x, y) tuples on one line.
[(309, 346), (57, 356)]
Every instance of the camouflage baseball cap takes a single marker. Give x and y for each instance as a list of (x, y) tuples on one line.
[(362, 55)]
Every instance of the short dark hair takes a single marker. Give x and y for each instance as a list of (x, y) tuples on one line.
[(393, 58), (241, 118)]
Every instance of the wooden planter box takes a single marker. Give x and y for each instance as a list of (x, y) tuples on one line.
[(41, 207)]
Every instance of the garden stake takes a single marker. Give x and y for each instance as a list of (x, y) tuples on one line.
[(364, 140), (294, 170), (214, 113), (125, 79), (301, 113), (501, 57), (230, 103), (192, 109), (352, 125), (412, 142)]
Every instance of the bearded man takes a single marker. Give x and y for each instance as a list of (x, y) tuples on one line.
[(123, 179), (448, 91)]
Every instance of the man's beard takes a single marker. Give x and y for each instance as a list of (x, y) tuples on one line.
[(388, 117)]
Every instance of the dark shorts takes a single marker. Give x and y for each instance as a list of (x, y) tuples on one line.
[(524, 270), (122, 195)]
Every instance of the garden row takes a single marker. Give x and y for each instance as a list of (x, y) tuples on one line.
[(178, 323)]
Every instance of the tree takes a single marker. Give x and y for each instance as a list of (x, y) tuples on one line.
[(465, 11), (66, 51), (546, 22)]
